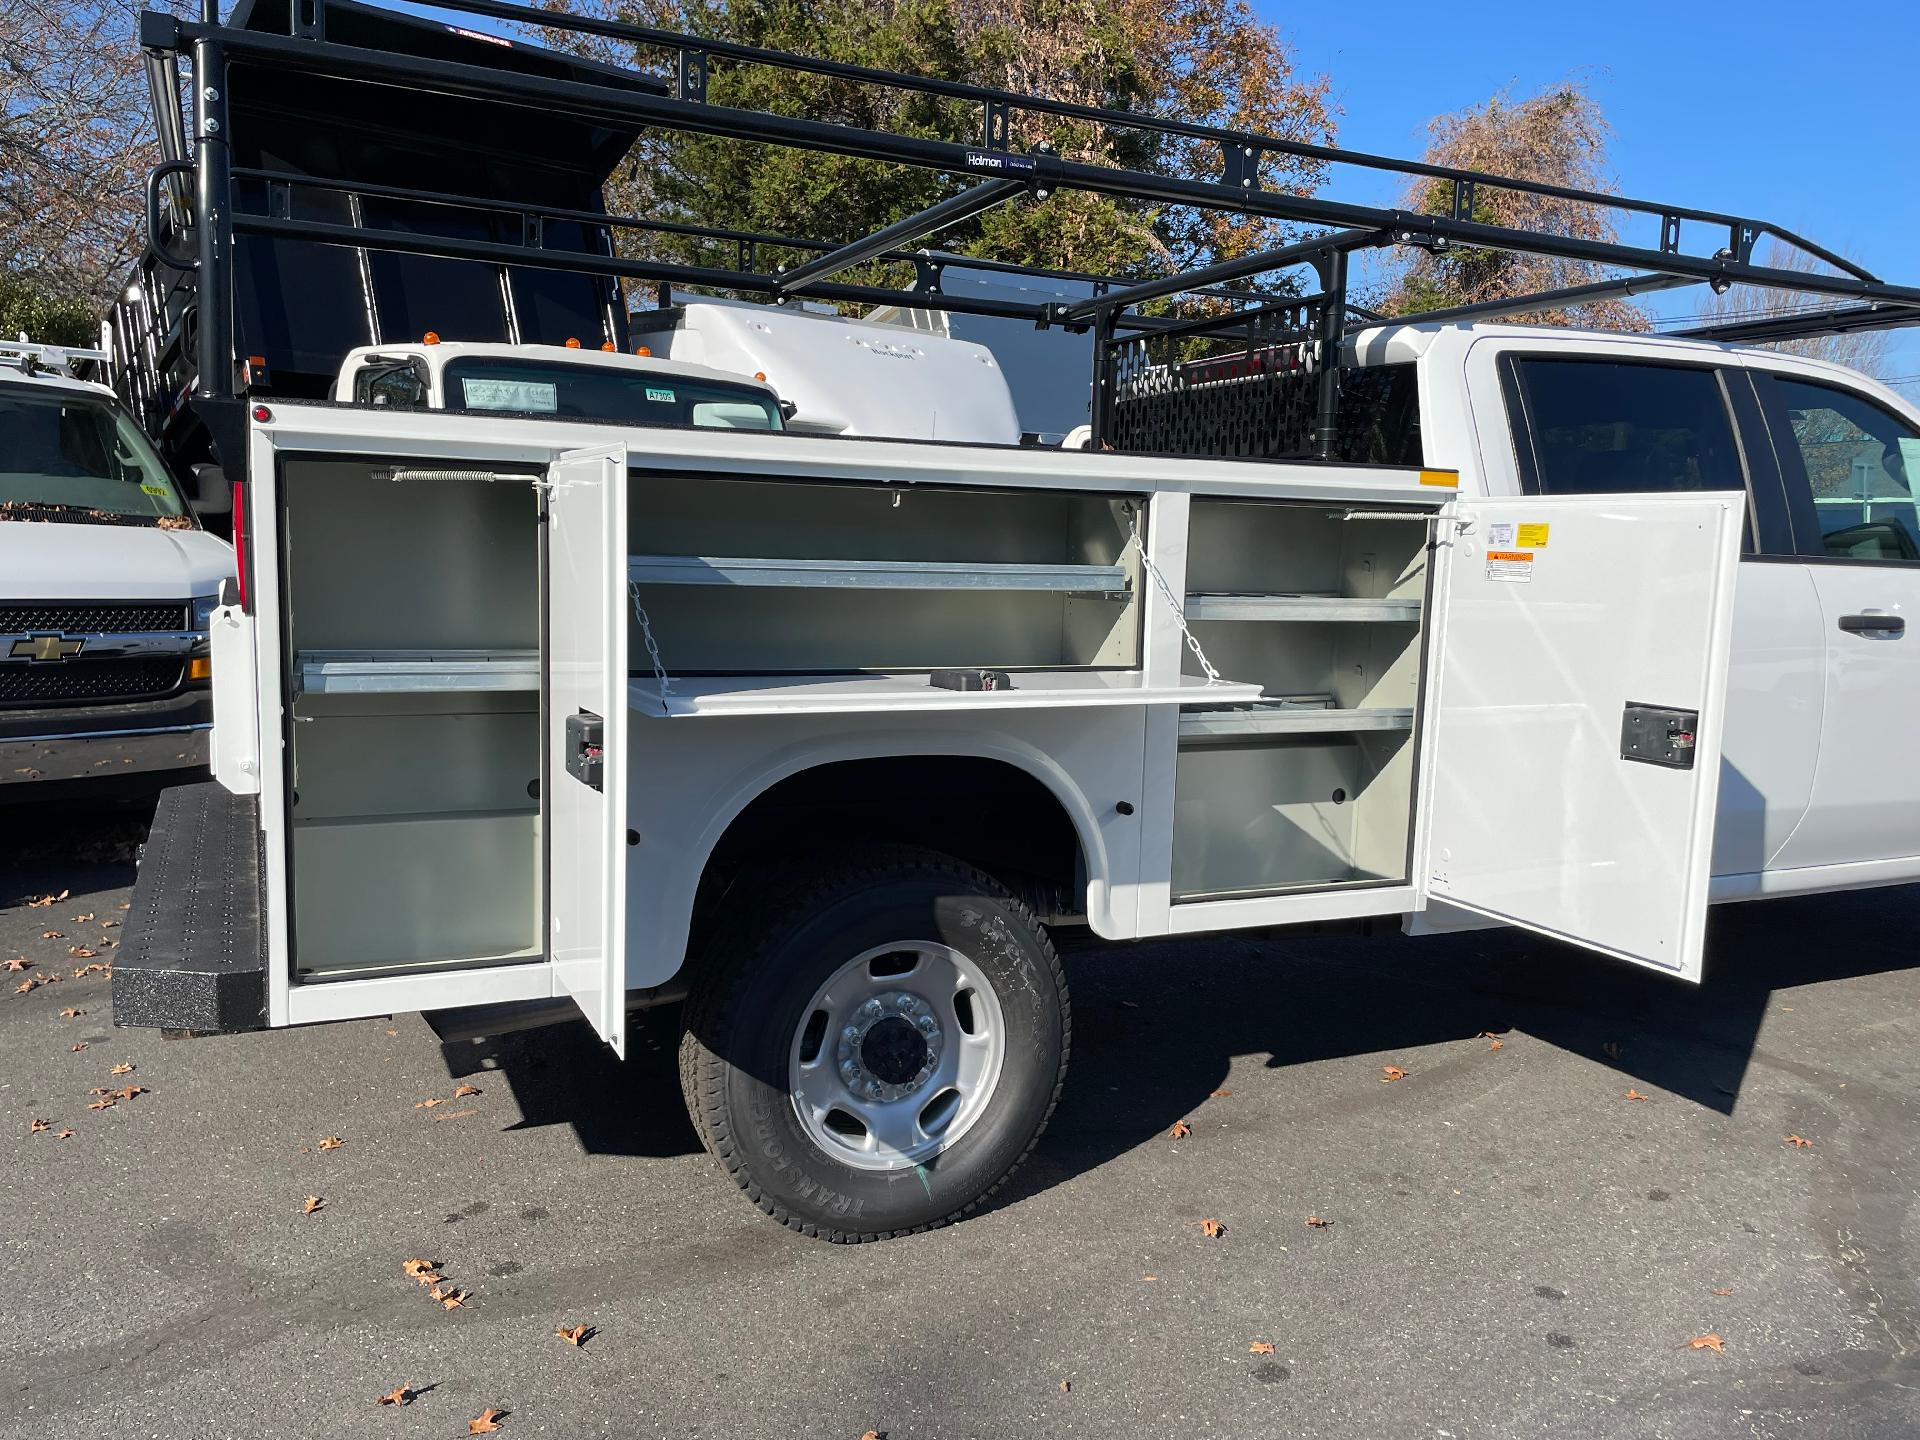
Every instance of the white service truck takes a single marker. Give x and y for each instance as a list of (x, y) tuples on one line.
[(825, 736), (106, 585)]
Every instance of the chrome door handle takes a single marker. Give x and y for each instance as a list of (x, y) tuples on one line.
[(1873, 624)]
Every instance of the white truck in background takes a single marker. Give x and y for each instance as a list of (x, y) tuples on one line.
[(107, 583)]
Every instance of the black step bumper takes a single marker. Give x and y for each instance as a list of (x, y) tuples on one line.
[(194, 957)]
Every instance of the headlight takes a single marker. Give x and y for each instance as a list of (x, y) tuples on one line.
[(203, 608)]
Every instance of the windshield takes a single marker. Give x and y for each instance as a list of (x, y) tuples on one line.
[(65, 455), (637, 397)]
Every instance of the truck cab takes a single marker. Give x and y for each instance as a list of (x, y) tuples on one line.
[(106, 584)]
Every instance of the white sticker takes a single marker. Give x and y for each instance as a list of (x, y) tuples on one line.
[(531, 397), (1510, 566), (1500, 533)]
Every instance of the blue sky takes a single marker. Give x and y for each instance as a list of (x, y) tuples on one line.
[(1806, 115)]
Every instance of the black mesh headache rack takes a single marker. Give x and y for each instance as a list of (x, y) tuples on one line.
[(288, 226)]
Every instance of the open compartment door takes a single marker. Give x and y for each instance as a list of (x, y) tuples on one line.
[(1578, 691), (586, 720)]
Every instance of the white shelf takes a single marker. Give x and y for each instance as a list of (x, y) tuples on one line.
[(875, 574), (1225, 606), (407, 672), (856, 694), (1280, 718)]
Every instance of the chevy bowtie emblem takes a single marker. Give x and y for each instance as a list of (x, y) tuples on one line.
[(46, 647)]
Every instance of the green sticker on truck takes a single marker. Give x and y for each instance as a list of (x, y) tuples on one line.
[(664, 395)]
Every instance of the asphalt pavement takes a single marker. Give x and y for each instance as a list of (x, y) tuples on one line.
[(1517, 1246)]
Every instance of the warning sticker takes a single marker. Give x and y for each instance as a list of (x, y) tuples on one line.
[(1510, 565), (1533, 537), (1500, 533)]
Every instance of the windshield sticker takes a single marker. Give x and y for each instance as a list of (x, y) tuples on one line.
[(529, 397), (663, 395), (159, 491)]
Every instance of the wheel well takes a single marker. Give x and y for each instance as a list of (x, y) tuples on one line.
[(988, 813)]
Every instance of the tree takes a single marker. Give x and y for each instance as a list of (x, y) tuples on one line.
[(75, 145), (1209, 61), (50, 320), (1559, 137), (1864, 350)]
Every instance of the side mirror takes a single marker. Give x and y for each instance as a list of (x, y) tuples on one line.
[(208, 491)]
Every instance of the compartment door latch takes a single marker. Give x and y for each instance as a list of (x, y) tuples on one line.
[(586, 734), (1657, 735)]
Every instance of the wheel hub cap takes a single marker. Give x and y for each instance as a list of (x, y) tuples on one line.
[(890, 1048)]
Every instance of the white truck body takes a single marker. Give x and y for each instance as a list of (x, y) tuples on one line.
[(546, 729)]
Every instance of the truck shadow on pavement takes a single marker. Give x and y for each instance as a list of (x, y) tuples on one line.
[(1157, 1025)]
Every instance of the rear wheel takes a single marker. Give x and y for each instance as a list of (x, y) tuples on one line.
[(876, 1048)]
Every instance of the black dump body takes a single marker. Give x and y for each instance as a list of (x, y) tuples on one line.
[(300, 306)]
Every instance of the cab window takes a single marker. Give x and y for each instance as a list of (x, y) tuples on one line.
[(1617, 427), (1860, 462)]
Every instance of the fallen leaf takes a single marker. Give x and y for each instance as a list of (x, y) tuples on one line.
[(72, 1012), (63, 1135), (488, 1420), (429, 1104), (31, 982), (463, 1091), (37, 1127), (1212, 1229), (1260, 1347), (1391, 1073), (108, 924), (1149, 1279), (417, 1267), (1221, 1094), (1066, 1387), (1636, 1095), (332, 1142), (1493, 1045), (1799, 1142), (399, 1395), (1317, 1223), (41, 902), (78, 1048), (1708, 1342), (454, 1115), (313, 1203), (1724, 1293), (81, 952), (129, 1092), (575, 1335), (125, 1067), (53, 934), (439, 1292), (455, 1300), (18, 963), (875, 1434), (82, 971), (1181, 1130), (99, 1090), (103, 1103)]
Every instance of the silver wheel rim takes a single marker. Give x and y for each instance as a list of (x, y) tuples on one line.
[(897, 1055)]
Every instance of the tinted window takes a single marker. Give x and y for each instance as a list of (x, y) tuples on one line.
[(1380, 416), (637, 397), (1860, 463), (1603, 427)]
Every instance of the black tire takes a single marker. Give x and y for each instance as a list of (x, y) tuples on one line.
[(761, 973)]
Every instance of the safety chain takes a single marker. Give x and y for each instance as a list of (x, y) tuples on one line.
[(1173, 603), (653, 649)]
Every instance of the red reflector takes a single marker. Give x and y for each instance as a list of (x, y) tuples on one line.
[(262, 414), (240, 539)]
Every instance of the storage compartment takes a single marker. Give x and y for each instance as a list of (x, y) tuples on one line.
[(748, 576), (413, 631), (1311, 785)]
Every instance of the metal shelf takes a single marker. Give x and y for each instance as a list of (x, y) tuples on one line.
[(1283, 718), (407, 672), (1223, 606), (876, 574), (856, 694)]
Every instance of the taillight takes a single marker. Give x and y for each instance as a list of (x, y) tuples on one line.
[(240, 541)]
